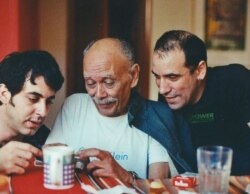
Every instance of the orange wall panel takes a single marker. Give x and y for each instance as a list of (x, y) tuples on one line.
[(9, 27), (18, 25)]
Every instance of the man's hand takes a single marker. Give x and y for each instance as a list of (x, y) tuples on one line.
[(16, 156), (105, 165)]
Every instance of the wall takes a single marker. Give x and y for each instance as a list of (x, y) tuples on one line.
[(53, 38), (189, 15), (41, 24), (19, 28), (168, 15), (222, 57)]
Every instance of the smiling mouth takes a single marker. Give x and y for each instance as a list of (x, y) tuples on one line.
[(170, 97), (34, 124)]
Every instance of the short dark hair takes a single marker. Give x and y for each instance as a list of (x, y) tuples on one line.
[(15, 67), (193, 47)]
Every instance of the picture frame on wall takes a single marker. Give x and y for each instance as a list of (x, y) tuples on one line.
[(225, 24)]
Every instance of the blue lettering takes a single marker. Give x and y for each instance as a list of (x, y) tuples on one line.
[(119, 156)]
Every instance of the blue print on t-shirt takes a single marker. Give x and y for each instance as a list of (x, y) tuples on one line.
[(119, 156)]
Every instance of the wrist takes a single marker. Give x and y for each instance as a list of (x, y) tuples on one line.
[(134, 176)]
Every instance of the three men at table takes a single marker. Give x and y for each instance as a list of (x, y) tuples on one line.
[(209, 98)]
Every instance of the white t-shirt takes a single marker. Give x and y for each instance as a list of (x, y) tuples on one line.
[(81, 126)]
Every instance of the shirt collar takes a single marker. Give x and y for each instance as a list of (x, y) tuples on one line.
[(135, 104)]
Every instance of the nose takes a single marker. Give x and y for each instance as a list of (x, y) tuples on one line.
[(42, 108), (164, 86), (100, 91)]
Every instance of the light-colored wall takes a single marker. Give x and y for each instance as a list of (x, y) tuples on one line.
[(216, 57), (53, 38), (168, 15), (189, 15)]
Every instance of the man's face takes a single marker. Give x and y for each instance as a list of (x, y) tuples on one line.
[(108, 79), (27, 110), (174, 80)]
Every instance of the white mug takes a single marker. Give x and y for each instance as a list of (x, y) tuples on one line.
[(58, 167)]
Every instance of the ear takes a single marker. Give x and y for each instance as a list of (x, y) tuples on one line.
[(5, 94), (201, 70), (134, 70)]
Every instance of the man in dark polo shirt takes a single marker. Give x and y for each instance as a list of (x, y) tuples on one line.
[(215, 101)]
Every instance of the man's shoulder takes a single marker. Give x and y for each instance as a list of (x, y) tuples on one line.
[(149, 111), (157, 104), (232, 73), (230, 68), (152, 106), (77, 102)]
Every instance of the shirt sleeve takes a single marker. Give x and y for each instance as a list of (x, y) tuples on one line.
[(157, 153)]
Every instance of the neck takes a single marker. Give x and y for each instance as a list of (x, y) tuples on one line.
[(199, 92), (7, 133)]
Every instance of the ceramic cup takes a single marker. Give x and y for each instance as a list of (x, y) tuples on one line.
[(58, 167)]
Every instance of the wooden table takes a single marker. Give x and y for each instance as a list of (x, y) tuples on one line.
[(32, 183)]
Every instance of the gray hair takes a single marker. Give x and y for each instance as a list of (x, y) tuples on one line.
[(126, 48)]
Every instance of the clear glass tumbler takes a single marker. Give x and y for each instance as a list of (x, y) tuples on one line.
[(214, 167)]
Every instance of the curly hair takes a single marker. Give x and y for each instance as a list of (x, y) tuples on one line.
[(16, 66)]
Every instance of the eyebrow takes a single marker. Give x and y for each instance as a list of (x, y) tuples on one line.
[(104, 77), (40, 95), (166, 75)]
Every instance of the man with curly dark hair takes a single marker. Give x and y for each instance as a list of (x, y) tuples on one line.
[(28, 83)]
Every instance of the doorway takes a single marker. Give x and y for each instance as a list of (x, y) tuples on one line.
[(94, 19)]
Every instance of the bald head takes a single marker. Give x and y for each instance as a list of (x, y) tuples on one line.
[(110, 74), (104, 43), (112, 45)]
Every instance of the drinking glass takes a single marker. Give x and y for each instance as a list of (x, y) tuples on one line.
[(214, 167)]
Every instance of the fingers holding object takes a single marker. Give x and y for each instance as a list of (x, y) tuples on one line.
[(93, 152)]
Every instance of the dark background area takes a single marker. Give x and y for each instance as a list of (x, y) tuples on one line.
[(94, 19)]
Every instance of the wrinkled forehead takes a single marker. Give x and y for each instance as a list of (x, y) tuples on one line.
[(99, 72), (98, 65), (104, 62)]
